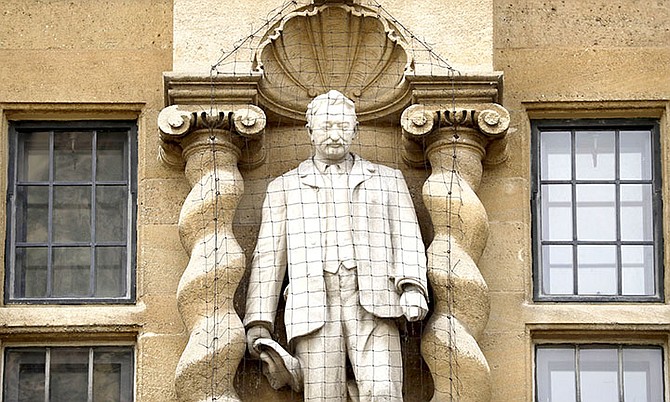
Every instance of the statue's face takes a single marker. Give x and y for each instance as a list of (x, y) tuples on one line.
[(332, 134)]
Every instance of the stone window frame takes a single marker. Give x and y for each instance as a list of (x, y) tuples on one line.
[(585, 122), (87, 116), (97, 341)]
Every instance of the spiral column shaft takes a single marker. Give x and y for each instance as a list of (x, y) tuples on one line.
[(210, 146), (455, 150), (205, 295)]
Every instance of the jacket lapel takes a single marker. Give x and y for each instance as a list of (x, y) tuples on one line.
[(361, 171), (309, 174)]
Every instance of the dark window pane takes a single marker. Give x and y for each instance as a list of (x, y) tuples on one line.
[(72, 156), (110, 263), (636, 156), (598, 375), (111, 214), (71, 214), (71, 271), (555, 375), (31, 272), (24, 376), (557, 270), (32, 214), (111, 156), (112, 375), (33, 157), (594, 155), (555, 156), (69, 375), (643, 374)]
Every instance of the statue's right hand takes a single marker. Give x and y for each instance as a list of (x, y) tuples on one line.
[(253, 334)]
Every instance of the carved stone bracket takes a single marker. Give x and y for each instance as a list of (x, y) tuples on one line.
[(209, 143), (454, 142)]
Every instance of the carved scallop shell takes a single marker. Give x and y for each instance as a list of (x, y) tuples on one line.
[(348, 48)]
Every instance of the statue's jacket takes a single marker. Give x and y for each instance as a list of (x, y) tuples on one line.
[(387, 242)]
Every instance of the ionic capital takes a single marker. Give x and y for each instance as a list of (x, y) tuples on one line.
[(479, 127), (238, 127)]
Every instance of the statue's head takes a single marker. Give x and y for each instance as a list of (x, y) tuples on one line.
[(332, 125)]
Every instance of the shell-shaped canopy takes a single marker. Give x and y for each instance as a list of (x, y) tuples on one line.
[(348, 48)]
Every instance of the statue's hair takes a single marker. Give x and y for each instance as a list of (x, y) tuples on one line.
[(331, 100)]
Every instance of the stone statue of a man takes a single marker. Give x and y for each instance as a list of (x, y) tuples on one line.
[(346, 230)]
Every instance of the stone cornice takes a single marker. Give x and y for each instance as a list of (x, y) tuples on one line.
[(439, 91), (457, 88), (596, 109), (206, 89)]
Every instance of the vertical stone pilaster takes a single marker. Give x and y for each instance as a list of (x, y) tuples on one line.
[(455, 142), (209, 144)]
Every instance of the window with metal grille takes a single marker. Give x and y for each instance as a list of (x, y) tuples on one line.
[(597, 210), (71, 212), (73, 374), (594, 373)]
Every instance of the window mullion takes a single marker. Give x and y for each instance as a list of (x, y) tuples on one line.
[(573, 186), (17, 147), (617, 210), (90, 375), (130, 180), (578, 384), (49, 289), (47, 375), (620, 373), (94, 177)]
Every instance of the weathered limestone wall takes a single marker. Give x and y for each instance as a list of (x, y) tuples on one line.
[(564, 59), (102, 60), (460, 30)]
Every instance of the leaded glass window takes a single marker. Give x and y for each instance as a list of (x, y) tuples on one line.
[(72, 374), (597, 210), (71, 212), (598, 373)]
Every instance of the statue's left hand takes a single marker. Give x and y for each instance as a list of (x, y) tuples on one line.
[(255, 333), (413, 305)]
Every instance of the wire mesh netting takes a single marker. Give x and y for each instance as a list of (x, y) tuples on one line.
[(332, 228)]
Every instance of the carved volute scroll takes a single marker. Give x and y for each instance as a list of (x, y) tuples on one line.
[(243, 124), (209, 143), (454, 142)]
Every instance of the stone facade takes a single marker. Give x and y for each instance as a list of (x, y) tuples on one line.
[(557, 59)]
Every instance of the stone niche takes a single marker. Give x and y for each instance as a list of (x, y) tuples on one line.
[(241, 124)]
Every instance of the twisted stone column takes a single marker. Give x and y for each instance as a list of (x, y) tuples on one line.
[(454, 142), (211, 144)]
